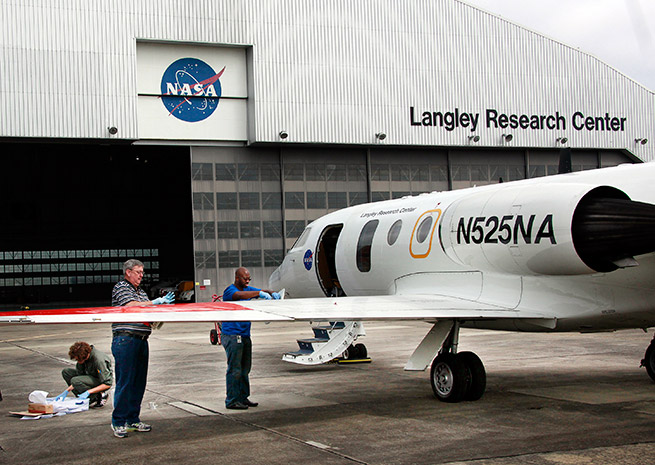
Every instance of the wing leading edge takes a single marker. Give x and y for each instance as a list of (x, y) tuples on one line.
[(394, 307)]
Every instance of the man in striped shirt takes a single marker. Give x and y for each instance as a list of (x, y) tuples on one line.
[(130, 349)]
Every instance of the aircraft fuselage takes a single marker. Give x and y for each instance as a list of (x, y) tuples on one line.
[(532, 245)]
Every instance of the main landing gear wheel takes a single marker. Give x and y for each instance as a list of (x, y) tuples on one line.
[(213, 337), (449, 378), (649, 360), (457, 377), (477, 376)]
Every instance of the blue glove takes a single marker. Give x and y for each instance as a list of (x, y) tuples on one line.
[(275, 296), (84, 395), (61, 396), (167, 299), (264, 295)]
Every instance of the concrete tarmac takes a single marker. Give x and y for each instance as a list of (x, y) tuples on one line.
[(550, 399)]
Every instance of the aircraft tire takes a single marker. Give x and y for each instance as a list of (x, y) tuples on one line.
[(477, 376), (213, 337), (449, 378), (649, 360), (360, 351)]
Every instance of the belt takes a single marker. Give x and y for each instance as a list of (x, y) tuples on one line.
[(143, 337)]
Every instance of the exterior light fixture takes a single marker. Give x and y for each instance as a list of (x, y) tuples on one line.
[(380, 136), (475, 138), (507, 137), (562, 140), (283, 134), (641, 140), (112, 130)]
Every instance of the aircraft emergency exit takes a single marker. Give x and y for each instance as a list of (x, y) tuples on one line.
[(570, 252)]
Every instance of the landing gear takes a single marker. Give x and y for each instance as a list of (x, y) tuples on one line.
[(649, 360), (448, 378), (477, 376), (457, 376)]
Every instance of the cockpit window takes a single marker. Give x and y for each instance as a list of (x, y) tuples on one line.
[(364, 246), (394, 232), (302, 239), (424, 230)]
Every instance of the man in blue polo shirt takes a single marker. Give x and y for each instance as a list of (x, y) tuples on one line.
[(237, 343)]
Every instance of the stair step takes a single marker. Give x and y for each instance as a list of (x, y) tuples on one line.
[(321, 333), (332, 325), (300, 352), (308, 344), (314, 340)]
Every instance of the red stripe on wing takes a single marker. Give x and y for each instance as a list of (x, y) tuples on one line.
[(193, 307)]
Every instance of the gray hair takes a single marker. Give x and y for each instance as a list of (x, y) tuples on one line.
[(128, 265)]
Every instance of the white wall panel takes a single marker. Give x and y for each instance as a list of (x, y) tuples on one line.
[(330, 71)]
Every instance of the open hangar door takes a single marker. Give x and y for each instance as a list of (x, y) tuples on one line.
[(73, 213)]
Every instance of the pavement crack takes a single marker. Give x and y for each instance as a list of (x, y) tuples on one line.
[(249, 424), (59, 359), (312, 444)]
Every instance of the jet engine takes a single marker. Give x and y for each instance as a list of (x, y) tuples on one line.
[(550, 229)]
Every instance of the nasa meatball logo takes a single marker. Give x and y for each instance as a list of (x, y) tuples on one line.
[(307, 259), (190, 89)]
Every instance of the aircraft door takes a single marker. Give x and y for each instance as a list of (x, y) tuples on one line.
[(326, 269), (423, 234)]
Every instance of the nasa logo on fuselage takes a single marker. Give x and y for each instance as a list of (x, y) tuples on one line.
[(308, 259), (190, 89)]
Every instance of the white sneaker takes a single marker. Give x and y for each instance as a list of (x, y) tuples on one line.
[(119, 431), (141, 427)]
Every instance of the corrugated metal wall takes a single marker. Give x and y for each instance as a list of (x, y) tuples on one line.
[(330, 71), (68, 69)]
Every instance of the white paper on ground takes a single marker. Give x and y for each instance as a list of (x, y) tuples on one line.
[(70, 404)]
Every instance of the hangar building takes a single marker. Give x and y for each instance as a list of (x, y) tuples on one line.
[(200, 136)]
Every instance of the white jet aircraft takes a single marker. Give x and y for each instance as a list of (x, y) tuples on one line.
[(570, 252)]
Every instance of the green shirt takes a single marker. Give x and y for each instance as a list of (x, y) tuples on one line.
[(98, 365)]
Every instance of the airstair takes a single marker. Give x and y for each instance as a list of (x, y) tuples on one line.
[(335, 340)]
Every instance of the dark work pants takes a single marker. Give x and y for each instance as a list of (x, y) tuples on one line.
[(80, 382), (239, 362)]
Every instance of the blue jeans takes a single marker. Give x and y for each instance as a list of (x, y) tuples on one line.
[(239, 362), (131, 355)]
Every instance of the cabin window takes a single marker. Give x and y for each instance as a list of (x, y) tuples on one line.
[(424, 230), (394, 232), (364, 246)]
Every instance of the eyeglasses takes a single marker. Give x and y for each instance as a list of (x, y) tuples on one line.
[(137, 272)]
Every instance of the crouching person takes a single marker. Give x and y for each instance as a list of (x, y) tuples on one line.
[(92, 376)]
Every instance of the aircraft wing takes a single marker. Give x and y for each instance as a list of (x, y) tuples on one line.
[(393, 307)]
